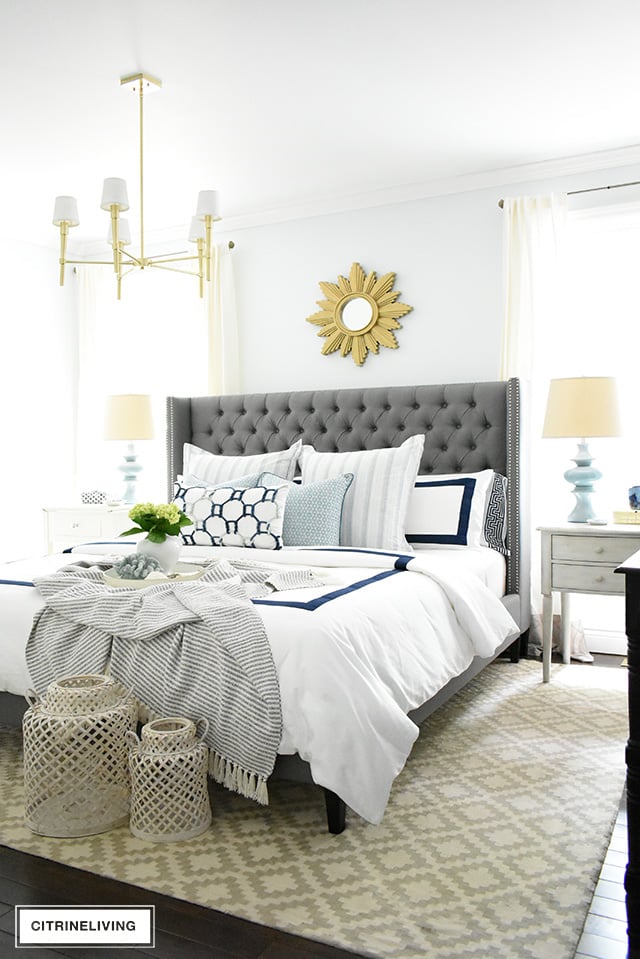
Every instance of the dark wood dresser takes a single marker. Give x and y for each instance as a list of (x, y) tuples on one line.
[(631, 570)]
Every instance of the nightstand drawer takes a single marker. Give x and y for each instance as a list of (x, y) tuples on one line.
[(66, 523), (588, 579), (598, 549)]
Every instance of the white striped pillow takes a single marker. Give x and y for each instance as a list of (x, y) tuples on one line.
[(375, 506), (216, 468)]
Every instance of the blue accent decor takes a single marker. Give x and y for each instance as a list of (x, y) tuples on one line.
[(314, 510), (634, 497), (583, 475), (15, 582)]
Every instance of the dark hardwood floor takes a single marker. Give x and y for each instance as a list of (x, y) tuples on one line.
[(186, 931)]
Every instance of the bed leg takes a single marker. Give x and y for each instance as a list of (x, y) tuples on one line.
[(514, 651), (336, 812)]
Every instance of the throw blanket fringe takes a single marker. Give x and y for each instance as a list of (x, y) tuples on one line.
[(229, 774), (239, 780)]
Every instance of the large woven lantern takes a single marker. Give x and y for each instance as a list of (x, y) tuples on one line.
[(76, 773)]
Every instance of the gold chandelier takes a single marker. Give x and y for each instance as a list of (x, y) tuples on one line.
[(115, 201)]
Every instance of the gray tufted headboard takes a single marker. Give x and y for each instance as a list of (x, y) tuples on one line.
[(467, 427)]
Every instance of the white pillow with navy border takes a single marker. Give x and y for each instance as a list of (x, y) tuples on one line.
[(449, 509)]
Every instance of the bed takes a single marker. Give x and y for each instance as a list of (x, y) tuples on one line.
[(461, 430)]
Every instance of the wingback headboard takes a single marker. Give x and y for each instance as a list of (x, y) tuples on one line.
[(467, 427)]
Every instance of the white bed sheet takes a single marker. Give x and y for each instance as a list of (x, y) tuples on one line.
[(353, 656)]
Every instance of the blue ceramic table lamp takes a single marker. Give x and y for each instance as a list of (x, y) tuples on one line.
[(128, 417), (582, 407)]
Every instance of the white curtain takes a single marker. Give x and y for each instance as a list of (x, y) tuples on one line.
[(534, 231), (224, 354), (534, 246)]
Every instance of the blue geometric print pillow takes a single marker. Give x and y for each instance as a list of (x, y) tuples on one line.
[(314, 510), (233, 516)]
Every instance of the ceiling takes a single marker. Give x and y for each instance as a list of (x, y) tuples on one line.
[(282, 103)]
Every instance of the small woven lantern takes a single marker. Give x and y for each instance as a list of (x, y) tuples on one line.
[(169, 795), (76, 772)]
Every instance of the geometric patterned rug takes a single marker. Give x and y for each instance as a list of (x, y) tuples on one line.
[(491, 844)]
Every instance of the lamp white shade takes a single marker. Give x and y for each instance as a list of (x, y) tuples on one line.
[(582, 406), (114, 193), (128, 417), (124, 233), (196, 230), (65, 210), (208, 204)]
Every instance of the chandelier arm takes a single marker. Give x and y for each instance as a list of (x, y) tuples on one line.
[(64, 233), (134, 260), (141, 139), (173, 269), (155, 260)]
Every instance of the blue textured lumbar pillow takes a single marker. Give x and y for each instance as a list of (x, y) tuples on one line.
[(313, 512)]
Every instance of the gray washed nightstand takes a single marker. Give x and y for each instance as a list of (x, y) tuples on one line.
[(579, 558)]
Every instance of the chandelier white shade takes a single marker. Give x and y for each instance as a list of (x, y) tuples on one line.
[(115, 200)]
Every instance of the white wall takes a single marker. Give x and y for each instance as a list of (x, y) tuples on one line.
[(37, 324), (447, 254)]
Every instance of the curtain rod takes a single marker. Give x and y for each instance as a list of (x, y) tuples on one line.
[(592, 189)]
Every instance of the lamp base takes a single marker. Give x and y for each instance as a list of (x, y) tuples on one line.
[(130, 469), (583, 475)]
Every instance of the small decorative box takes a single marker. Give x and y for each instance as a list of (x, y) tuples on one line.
[(94, 497)]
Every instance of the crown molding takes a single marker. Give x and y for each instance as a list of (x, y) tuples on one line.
[(498, 179), (464, 183)]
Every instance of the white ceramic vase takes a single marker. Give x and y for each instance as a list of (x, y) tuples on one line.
[(166, 553)]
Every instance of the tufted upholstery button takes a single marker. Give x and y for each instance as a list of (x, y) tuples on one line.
[(473, 404), (458, 426), (374, 429), (276, 429), (323, 429), (444, 448), (443, 406), (416, 406), (402, 427), (312, 410), (458, 468), (349, 429), (429, 469), (473, 447), (429, 426), (387, 407)]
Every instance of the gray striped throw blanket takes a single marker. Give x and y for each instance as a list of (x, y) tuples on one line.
[(194, 648)]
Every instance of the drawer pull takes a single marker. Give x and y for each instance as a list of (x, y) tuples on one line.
[(599, 579), (74, 525), (600, 549)]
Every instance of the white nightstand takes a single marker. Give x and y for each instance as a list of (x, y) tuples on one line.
[(66, 526), (579, 558)]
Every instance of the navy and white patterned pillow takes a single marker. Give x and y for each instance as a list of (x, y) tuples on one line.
[(233, 516), (314, 510), (495, 517)]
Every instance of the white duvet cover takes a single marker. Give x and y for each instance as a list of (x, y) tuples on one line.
[(381, 635)]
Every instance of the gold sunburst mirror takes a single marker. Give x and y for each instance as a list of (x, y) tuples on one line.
[(359, 314)]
